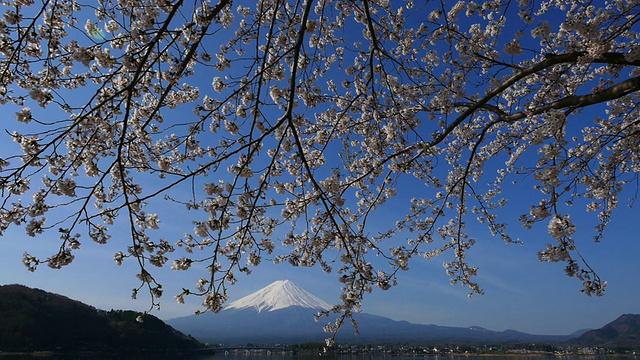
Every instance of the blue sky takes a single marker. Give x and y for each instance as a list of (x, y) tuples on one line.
[(520, 292)]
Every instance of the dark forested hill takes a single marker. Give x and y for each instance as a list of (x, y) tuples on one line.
[(38, 320), (623, 332)]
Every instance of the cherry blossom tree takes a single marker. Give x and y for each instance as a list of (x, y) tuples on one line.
[(284, 127)]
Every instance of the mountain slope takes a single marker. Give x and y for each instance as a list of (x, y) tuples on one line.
[(381, 329), (38, 320), (290, 325), (281, 312), (623, 332), (296, 325), (284, 313)]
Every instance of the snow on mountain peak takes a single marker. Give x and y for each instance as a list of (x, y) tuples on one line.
[(279, 295)]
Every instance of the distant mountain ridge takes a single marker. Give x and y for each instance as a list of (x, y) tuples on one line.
[(33, 319), (283, 312), (623, 332)]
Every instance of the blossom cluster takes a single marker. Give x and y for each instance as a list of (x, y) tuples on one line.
[(281, 138)]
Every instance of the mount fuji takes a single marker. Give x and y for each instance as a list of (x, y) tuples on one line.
[(279, 295), (284, 313)]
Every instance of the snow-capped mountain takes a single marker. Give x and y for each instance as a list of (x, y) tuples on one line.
[(279, 295), (284, 313)]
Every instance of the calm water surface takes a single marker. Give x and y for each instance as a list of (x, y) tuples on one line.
[(222, 356), (419, 357)]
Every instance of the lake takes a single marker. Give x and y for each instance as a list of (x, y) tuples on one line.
[(375, 356)]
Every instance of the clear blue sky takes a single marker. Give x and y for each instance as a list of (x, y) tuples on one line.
[(520, 292)]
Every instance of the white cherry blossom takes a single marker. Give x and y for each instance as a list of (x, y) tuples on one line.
[(288, 130)]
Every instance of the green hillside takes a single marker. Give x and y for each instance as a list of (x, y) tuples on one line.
[(32, 319)]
